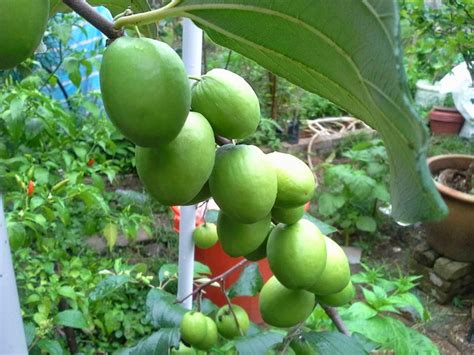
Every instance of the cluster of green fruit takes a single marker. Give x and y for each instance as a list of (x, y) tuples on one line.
[(147, 95), (201, 332), (23, 23)]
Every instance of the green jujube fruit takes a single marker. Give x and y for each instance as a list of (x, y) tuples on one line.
[(211, 336), (145, 90), (340, 298), (22, 24), (296, 254), (261, 251), (282, 307), (193, 327), (243, 183), (226, 325), (203, 195), (205, 236), (182, 349), (239, 239), (296, 182), (336, 274), (287, 215), (228, 102), (174, 173)]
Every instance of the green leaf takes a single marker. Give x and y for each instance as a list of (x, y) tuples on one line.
[(41, 175), (51, 347), (68, 292), (162, 309), (334, 343), (325, 228), (410, 303), (347, 52), (158, 343), (328, 203), (167, 271), (201, 270), (30, 333), (108, 286), (110, 234), (259, 343), (71, 318), (249, 282), (358, 310), (366, 224)]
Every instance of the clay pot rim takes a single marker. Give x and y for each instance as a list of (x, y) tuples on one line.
[(446, 190), (445, 108)]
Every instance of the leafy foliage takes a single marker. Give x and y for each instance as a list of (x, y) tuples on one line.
[(249, 282)]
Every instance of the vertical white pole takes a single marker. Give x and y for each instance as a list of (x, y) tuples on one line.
[(192, 51), (12, 333)]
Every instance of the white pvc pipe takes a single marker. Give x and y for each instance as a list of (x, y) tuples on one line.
[(12, 333), (192, 51)]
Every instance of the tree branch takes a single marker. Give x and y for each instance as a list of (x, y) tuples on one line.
[(336, 319), (218, 278), (94, 18)]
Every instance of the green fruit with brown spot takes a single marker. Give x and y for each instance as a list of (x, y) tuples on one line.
[(145, 89), (226, 324), (22, 25), (228, 102), (176, 172), (243, 183)]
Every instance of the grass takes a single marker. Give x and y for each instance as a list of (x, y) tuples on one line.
[(450, 145)]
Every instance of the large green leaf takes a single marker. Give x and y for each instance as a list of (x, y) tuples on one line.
[(249, 282), (162, 309), (259, 343), (115, 7), (333, 343), (346, 51)]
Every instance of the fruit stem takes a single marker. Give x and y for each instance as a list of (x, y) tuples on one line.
[(218, 278), (148, 17), (197, 78), (336, 319), (230, 308)]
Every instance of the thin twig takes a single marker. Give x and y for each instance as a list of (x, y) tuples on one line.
[(229, 304), (220, 278), (222, 141), (92, 16), (293, 333), (336, 319)]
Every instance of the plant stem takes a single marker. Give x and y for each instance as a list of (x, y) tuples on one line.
[(336, 319), (94, 18), (148, 17), (230, 307), (197, 78), (218, 278), (222, 141)]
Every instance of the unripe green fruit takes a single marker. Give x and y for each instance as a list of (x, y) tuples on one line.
[(211, 336), (336, 274), (228, 102), (296, 182), (302, 347), (22, 23), (297, 254), (183, 349), (193, 327), (145, 90), (205, 236), (203, 195), (288, 215), (282, 307), (238, 239), (276, 350), (175, 173), (243, 183), (340, 298), (226, 324), (261, 252)]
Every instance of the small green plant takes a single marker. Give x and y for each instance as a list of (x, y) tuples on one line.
[(350, 193), (268, 134)]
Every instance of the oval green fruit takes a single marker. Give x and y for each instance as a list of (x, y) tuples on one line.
[(278, 350), (239, 239), (296, 182), (211, 336), (225, 321), (297, 254), (23, 23), (261, 252), (282, 307), (336, 274), (288, 215), (243, 183), (182, 349), (174, 173), (205, 236), (340, 298), (193, 327), (228, 102), (201, 196), (145, 90)]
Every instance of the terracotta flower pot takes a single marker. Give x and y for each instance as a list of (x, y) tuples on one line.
[(454, 236), (445, 120)]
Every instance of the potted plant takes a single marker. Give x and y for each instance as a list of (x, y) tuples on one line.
[(454, 179), (446, 119)]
